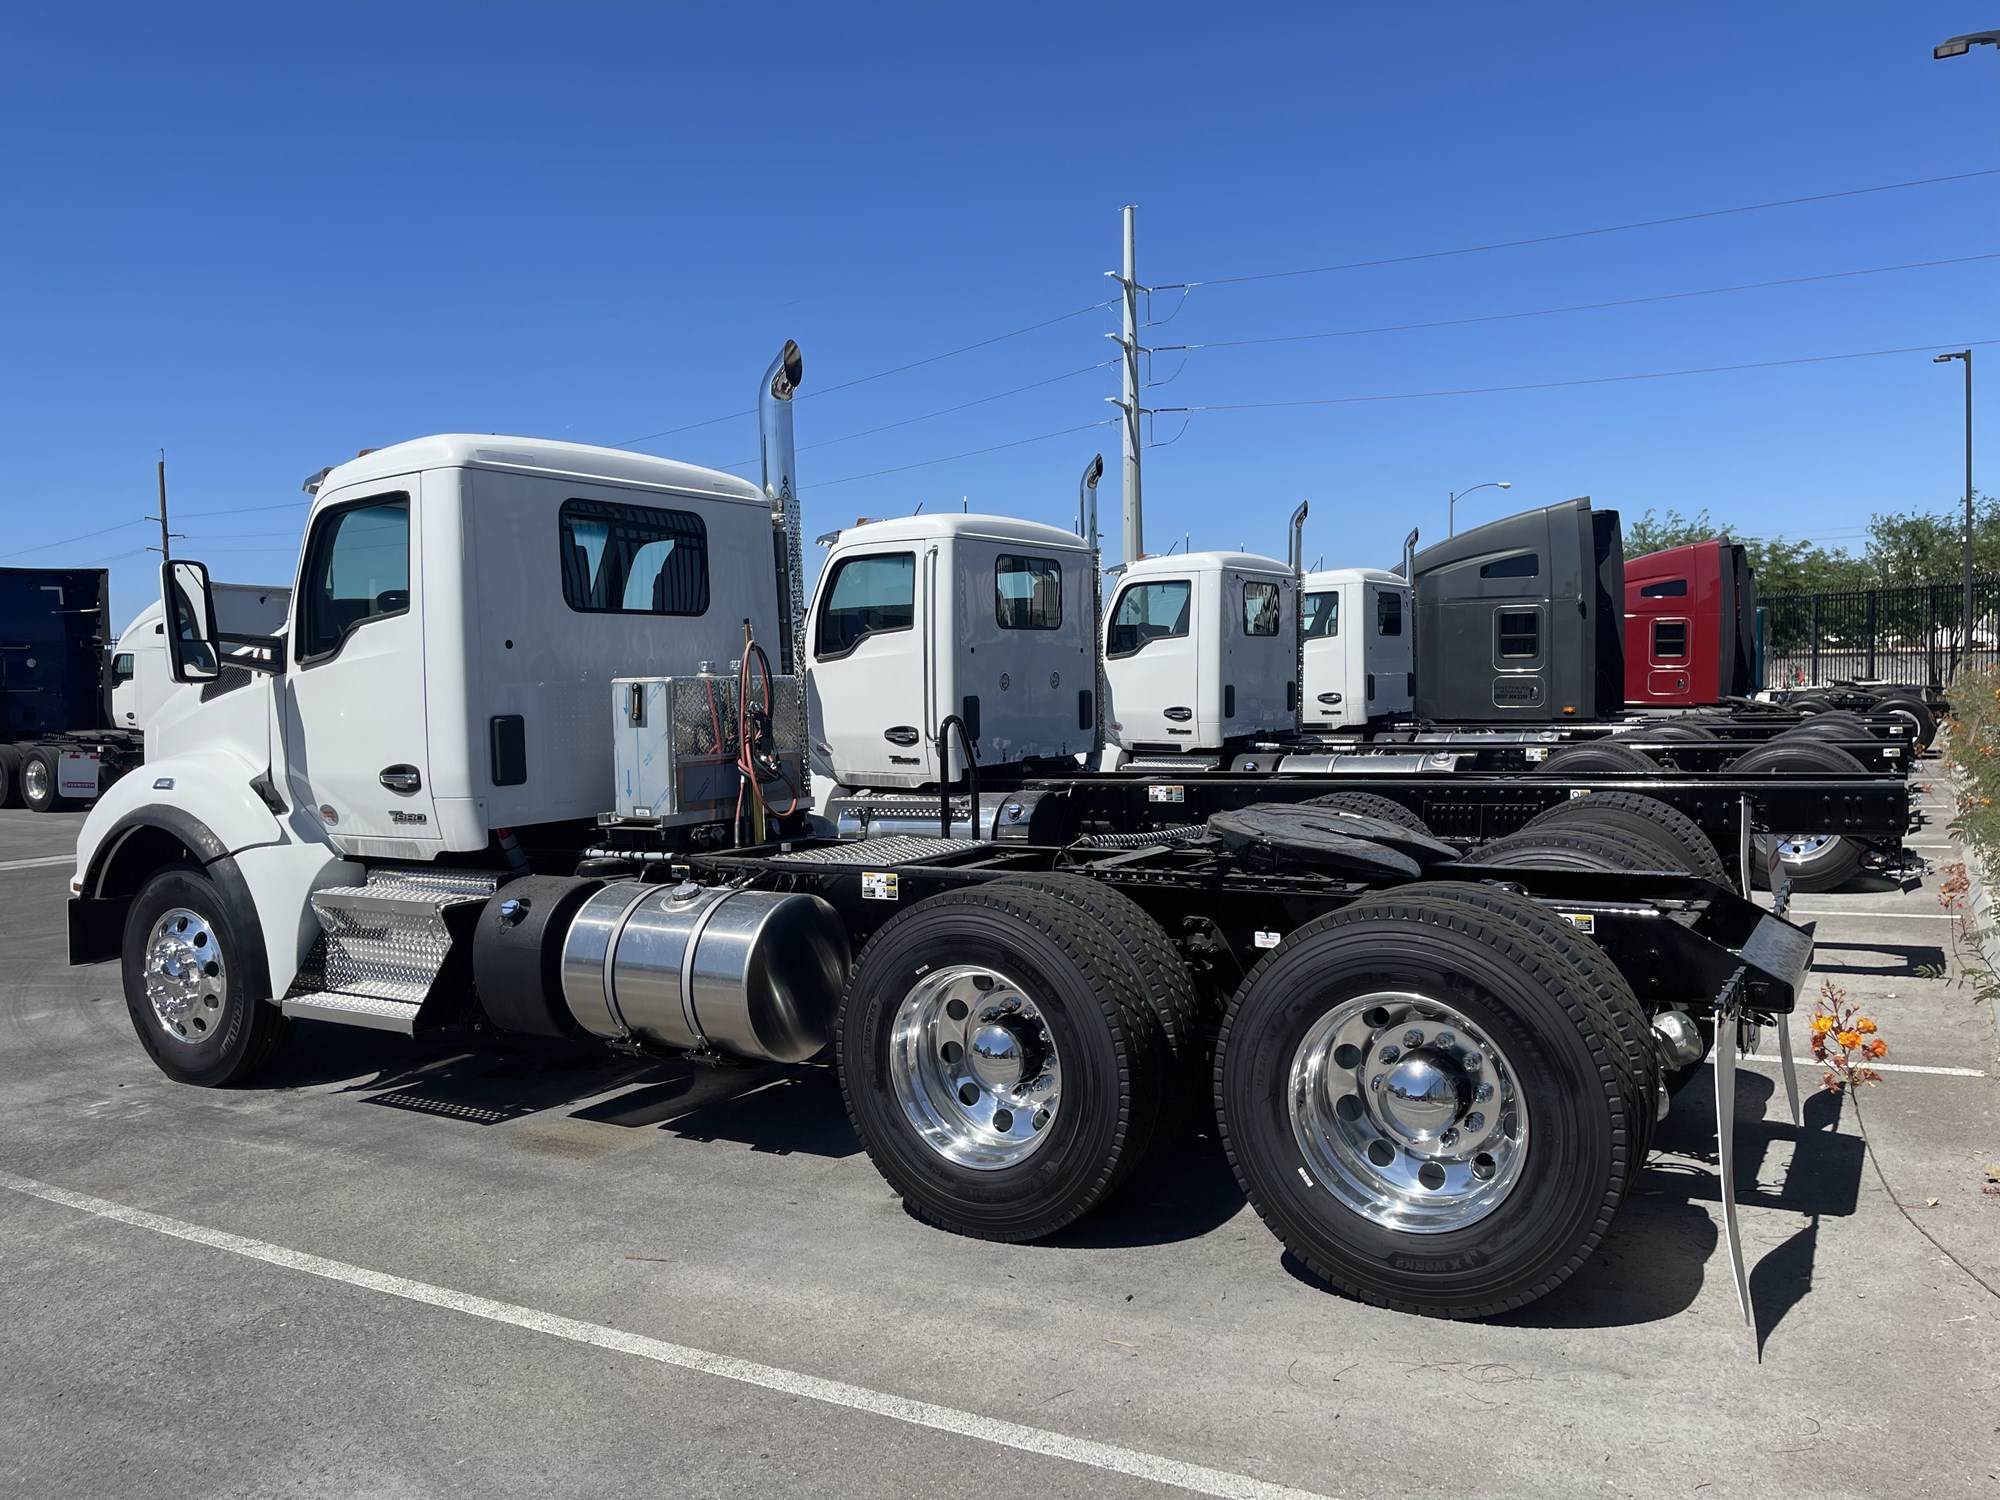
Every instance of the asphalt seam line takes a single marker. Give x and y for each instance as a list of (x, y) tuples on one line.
[(44, 862), (1108, 1457)]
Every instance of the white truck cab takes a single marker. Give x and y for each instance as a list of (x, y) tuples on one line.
[(914, 621), (463, 605), (1199, 650), (1358, 658), (140, 679)]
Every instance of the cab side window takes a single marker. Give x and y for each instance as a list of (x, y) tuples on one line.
[(1322, 616), (121, 668), (866, 596), (1027, 592), (1260, 609), (357, 569)]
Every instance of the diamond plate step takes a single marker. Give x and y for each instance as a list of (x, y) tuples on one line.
[(373, 1011), (382, 946)]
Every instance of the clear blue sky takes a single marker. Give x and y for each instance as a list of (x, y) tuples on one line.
[(265, 237)]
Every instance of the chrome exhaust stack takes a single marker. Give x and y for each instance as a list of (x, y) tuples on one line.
[(1410, 556), (1296, 559), (781, 489), (1086, 527)]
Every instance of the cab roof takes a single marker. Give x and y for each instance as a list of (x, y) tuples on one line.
[(947, 524), (1182, 563), (462, 450), (1333, 577)]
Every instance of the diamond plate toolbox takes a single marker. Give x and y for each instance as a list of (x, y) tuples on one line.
[(674, 746)]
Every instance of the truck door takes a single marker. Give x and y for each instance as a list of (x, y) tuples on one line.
[(872, 716), (1150, 663), (1325, 686), (356, 739)]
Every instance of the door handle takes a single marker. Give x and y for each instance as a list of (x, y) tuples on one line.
[(402, 779), (902, 734)]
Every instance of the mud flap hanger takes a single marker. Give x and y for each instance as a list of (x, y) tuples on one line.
[(1732, 1017)]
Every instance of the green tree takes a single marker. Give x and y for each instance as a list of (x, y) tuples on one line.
[(1781, 566), (1929, 546)]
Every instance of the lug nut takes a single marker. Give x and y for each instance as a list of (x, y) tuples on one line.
[(1391, 1052), (1413, 1038), (1448, 1139), (1475, 1121), (1445, 1039), (1484, 1092)]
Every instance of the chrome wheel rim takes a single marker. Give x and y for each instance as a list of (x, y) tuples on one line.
[(1796, 848), (185, 975), (35, 779), (975, 1068), (1407, 1112)]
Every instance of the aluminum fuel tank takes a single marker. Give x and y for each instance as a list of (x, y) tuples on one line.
[(753, 974)]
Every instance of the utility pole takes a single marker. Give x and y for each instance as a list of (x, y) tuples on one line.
[(1965, 658), (1134, 537), (166, 537)]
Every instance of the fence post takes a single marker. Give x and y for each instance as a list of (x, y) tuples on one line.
[(1930, 635), (1815, 638), (1869, 670)]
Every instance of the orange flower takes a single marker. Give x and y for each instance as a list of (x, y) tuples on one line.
[(1878, 1048), (1849, 1038), (1821, 1025), (1865, 1026)]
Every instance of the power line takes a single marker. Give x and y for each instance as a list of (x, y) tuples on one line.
[(1546, 312), (1549, 385), (1581, 234), (970, 453), (88, 535), (242, 510), (914, 364), (745, 463)]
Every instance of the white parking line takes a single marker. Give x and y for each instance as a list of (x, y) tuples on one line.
[(1109, 1457), (37, 864), (1861, 914), (1880, 1067)]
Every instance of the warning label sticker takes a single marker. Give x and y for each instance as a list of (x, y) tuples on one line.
[(878, 885), (1166, 794), (1582, 921)]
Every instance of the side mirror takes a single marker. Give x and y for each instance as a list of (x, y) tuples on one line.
[(191, 636)]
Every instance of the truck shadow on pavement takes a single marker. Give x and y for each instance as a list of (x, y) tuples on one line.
[(1897, 960), (1665, 1243), (482, 1080)]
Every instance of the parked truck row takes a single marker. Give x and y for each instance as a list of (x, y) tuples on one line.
[(552, 741)]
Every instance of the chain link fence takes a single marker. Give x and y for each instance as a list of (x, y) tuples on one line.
[(1912, 634)]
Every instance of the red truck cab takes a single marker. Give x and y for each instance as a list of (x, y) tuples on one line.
[(1690, 625)]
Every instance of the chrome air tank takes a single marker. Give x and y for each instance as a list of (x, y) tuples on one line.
[(753, 974)]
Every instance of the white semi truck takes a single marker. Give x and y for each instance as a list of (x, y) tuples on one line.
[(141, 680), (519, 760)]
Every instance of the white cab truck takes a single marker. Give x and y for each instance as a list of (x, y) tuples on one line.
[(485, 779), (140, 678), (1359, 667)]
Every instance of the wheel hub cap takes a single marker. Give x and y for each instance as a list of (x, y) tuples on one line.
[(974, 1067), (1424, 1094), (184, 975), (1407, 1112)]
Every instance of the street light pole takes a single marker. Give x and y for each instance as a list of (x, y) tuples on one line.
[(1966, 355), (1958, 46), (1451, 504)]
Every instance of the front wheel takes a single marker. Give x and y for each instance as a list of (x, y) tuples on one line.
[(185, 984), (1426, 1106)]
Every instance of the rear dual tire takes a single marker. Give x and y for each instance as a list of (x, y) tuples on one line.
[(956, 1013), (1303, 1122)]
